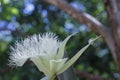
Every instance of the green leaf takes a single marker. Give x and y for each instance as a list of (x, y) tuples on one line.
[(3, 46), (14, 11), (6, 1)]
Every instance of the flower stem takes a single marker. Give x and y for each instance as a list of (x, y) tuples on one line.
[(52, 78)]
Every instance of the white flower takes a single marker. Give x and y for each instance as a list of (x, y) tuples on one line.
[(41, 49), (46, 52), (36, 45)]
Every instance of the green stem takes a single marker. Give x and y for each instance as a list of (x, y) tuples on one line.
[(52, 78)]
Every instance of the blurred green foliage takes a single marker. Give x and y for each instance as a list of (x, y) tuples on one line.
[(21, 18)]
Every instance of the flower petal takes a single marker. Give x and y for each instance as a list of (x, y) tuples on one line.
[(74, 58), (62, 47), (37, 61), (56, 65), (60, 64), (45, 61), (17, 62)]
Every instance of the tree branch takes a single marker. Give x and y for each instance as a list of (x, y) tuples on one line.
[(89, 76), (88, 20), (113, 10), (79, 73), (80, 16)]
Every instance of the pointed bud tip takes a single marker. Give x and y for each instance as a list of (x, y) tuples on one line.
[(91, 41), (75, 33)]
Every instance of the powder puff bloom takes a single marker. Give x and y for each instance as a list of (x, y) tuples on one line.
[(46, 52)]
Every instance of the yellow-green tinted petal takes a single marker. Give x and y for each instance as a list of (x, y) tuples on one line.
[(45, 61), (40, 66), (74, 58), (56, 65), (62, 47), (60, 63)]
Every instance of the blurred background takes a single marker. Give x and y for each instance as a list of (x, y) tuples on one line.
[(22, 18)]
